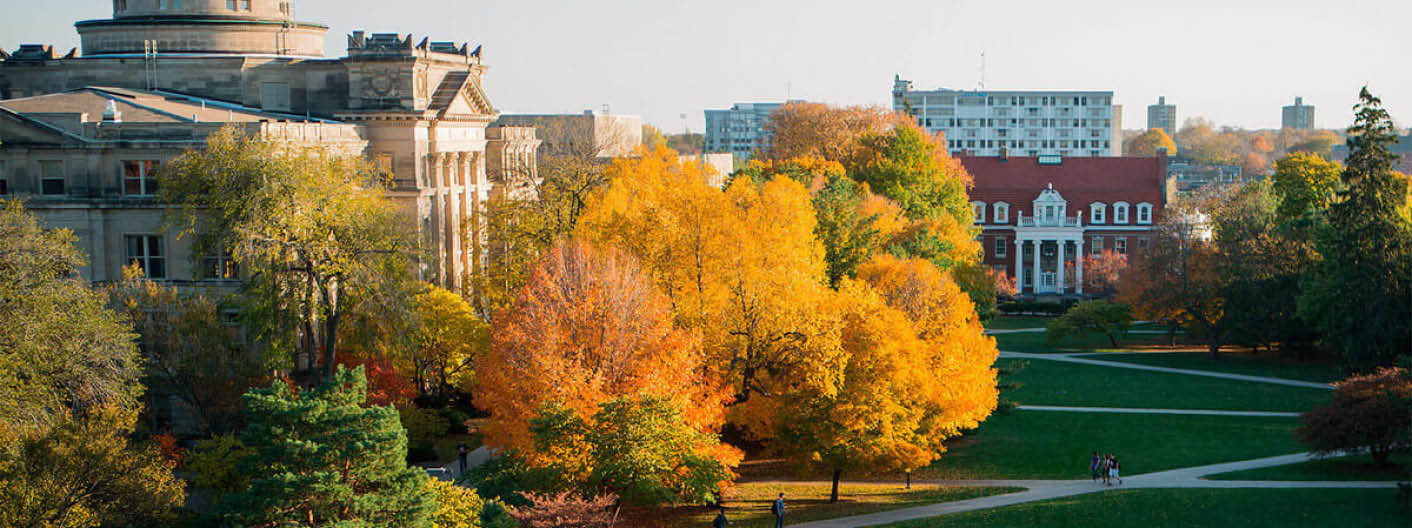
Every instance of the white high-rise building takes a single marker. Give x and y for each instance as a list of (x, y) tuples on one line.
[(1019, 123)]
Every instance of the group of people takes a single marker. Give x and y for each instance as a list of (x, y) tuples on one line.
[(776, 509), (1105, 467)]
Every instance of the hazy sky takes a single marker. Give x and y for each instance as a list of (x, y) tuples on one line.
[(1233, 61)]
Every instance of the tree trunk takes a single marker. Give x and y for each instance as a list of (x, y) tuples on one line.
[(1112, 340), (833, 495), (1214, 347)]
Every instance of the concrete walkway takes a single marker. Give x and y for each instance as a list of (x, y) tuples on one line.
[(1070, 358), (1127, 410), (1042, 330), (1051, 489)]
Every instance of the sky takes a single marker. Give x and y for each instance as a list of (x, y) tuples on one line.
[(1235, 62)]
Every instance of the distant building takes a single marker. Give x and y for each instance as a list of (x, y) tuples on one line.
[(1189, 177), (1403, 151), (1298, 115), (589, 134), (1040, 216), (741, 130), (1163, 116), (721, 165), (1019, 123)]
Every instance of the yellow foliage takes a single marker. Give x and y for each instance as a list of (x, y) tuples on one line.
[(450, 336), (457, 507)]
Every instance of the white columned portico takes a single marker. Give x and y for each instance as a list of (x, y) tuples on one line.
[(1035, 279), (1019, 265), (1059, 266)]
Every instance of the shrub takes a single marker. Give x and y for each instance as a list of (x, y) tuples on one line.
[(1368, 412), (1100, 316), (214, 462), (566, 510)]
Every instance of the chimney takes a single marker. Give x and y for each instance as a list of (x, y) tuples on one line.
[(1004, 154), (111, 113)]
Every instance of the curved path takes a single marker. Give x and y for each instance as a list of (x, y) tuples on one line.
[(1130, 410), (1070, 358)]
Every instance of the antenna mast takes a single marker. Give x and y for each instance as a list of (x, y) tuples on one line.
[(982, 85)]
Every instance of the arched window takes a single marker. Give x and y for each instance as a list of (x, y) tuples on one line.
[(978, 210), (1000, 213), (1120, 213), (1144, 213), (1097, 213)]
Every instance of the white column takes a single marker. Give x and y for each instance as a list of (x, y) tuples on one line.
[(1038, 246), (1019, 265), (1059, 264), (1079, 265)]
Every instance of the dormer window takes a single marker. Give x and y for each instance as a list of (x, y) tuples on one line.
[(1000, 213), (1097, 213), (1050, 207), (1120, 213), (1144, 213), (978, 211)]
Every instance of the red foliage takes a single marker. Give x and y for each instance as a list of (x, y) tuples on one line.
[(566, 510), (386, 386), (1368, 411), (170, 447)]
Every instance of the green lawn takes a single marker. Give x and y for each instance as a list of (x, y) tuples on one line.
[(1256, 508), (1357, 467), (1068, 384), (748, 504), (1010, 322), (1038, 342), (1234, 363), (1056, 445)]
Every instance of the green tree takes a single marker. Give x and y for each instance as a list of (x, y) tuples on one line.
[(189, 351), (848, 236), (311, 228), (1148, 143), (1306, 184), (323, 459), (912, 169), (1110, 319), (61, 349), (1359, 293)]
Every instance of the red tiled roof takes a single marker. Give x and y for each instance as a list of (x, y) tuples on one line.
[(1081, 181)]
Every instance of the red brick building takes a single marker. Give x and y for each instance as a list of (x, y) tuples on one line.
[(1061, 209)]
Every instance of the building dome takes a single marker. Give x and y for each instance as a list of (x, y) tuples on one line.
[(232, 27)]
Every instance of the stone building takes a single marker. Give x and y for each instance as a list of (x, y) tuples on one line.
[(173, 71), (1040, 216), (588, 135)]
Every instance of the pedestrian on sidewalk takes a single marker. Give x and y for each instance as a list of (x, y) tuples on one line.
[(721, 521), (1103, 469), (462, 451), (777, 509), (1093, 466), (1114, 470)]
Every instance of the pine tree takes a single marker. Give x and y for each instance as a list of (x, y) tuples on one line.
[(1359, 293), (323, 459)]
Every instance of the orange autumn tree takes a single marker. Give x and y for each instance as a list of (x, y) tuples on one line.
[(741, 266), (817, 130), (586, 329)]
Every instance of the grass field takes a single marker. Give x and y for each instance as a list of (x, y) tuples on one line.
[(1234, 363), (748, 504), (1356, 467), (1010, 322), (1038, 343), (1058, 383), (1156, 508), (1056, 445)]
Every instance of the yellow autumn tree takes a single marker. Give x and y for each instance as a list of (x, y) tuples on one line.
[(740, 266), (896, 399), (1148, 143), (446, 341)]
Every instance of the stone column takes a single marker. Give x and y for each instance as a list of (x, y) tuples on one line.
[(1059, 265), (435, 173), (1079, 265), (1038, 248)]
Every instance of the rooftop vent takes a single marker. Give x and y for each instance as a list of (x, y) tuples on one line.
[(111, 113)]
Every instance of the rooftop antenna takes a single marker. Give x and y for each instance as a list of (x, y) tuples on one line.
[(982, 85)]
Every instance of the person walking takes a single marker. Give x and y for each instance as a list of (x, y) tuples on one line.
[(462, 451), (1093, 466), (1103, 466), (721, 521), (777, 509), (1113, 472)]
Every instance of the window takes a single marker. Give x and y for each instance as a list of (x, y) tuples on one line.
[(139, 178), (219, 268), (230, 4), (1001, 247), (1096, 246), (978, 210), (1120, 245), (274, 96), (52, 177), (146, 252), (161, 4), (245, 4), (120, 5), (1144, 213), (1120, 213), (1001, 214), (1142, 242), (1097, 211)]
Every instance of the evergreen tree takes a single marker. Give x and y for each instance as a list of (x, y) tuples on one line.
[(1359, 293), (323, 459)]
